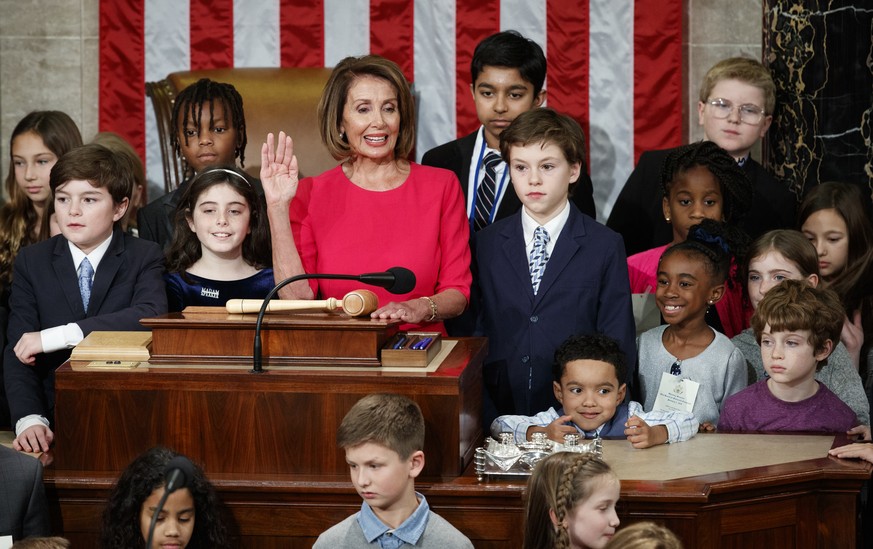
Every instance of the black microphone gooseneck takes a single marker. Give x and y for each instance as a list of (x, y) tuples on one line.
[(179, 473), (397, 280)]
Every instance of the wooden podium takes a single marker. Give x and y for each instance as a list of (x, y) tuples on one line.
[(282, 421)]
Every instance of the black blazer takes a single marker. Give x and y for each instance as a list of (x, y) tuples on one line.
[(155, 221), (458, 154), (638, 215)]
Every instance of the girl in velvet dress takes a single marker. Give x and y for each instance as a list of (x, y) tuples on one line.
[(221, 245)]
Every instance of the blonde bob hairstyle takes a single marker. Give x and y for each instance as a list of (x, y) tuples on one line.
[(333, 102)]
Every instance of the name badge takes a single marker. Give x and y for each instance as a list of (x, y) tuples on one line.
[(676, 394)]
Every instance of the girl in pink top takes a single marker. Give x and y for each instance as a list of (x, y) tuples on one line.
[(699, 181)]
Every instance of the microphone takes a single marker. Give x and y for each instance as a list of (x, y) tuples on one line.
[(179, 473), (397, 280)]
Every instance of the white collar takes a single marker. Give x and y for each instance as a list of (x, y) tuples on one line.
[(94, 257)]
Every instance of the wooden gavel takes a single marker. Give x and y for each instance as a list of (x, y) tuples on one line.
[(357, 303)]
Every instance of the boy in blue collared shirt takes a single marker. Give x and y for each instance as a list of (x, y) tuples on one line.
[(588, 371), (383, 436)]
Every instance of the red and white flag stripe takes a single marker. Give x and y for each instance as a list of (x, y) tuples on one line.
[(615, 65)]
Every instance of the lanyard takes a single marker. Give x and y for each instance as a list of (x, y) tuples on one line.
[(475, 189)]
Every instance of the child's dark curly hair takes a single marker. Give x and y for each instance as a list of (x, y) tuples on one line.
[(720, 245), (736, 189), (144, 475)]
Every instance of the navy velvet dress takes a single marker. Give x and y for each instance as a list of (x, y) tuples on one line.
[(202, 291)]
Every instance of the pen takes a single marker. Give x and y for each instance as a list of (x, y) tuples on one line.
[(421, 344), (400, 342)]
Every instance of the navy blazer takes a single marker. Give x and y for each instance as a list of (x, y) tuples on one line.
[(23, 508), (584, 290), (458, 154), (128, 285), (638, 214)]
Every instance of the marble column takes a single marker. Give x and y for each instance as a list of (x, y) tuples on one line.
[(821, 55)]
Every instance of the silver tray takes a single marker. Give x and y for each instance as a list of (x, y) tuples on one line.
[(505, 458)]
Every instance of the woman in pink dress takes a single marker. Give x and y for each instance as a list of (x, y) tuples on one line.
[(376, 209)]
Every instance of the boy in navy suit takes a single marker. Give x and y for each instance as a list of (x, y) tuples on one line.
[(92, 276), (547, 272)]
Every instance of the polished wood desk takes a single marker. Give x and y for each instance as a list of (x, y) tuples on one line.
[(806, 504), (283, 421), (267, 443)]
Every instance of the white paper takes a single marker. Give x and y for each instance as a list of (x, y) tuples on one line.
[(676, 394)]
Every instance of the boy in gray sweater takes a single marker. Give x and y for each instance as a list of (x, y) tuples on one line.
[(383, 436)]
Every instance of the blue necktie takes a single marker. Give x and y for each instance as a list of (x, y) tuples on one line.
[(538, 257), (486, 191), (86, 274)]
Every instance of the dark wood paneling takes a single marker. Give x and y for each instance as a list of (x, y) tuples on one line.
[(280, 422)]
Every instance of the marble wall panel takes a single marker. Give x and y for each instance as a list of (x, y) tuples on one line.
[(821, 56), (40, 18)]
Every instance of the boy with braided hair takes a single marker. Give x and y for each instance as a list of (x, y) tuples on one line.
[(383, 437), (209, 129)]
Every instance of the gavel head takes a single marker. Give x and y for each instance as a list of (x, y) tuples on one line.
[(360, 303)]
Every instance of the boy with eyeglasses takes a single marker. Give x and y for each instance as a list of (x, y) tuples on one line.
[(736, 105)]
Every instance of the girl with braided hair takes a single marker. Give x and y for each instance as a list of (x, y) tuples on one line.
[(703, 364), (699, 181), (571, 503)]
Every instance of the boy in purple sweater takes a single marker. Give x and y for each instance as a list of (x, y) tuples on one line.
[(797, 327)]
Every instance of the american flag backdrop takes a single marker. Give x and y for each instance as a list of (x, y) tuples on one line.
[(615, 65)]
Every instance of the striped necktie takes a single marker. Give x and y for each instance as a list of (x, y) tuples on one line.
[(486, 191), (538, 257)]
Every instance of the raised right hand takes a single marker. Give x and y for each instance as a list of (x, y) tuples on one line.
[(279, 173)]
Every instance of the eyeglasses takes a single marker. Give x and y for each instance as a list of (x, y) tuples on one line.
[(676, 368), (750, 114)]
